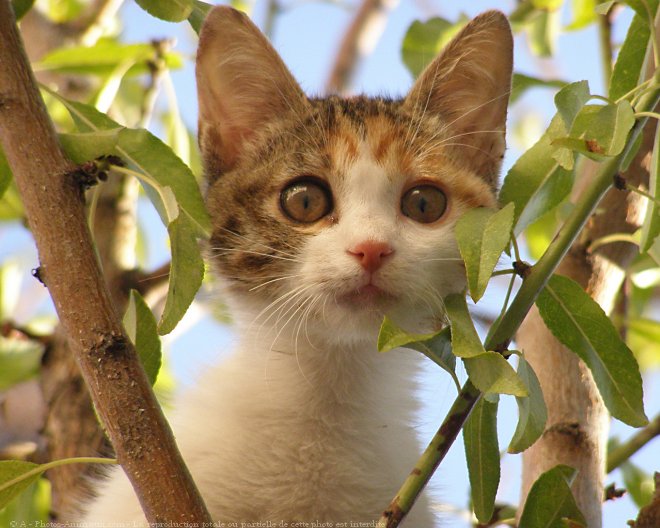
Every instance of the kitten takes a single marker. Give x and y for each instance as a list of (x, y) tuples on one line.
[(327, 214)]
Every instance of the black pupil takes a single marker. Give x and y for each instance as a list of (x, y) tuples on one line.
[(424, 203), (306, 201)]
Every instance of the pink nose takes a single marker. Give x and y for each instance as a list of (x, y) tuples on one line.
[(370, 254)]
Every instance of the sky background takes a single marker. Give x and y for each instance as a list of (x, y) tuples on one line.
[(307, 34)]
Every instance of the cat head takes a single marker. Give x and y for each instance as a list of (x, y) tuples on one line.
[(334, 212)]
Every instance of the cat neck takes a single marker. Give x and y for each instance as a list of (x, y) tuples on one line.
[(296, 367)]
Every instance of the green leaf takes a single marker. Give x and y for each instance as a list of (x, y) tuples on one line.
[(198, 14), (30, 508), (521, 83), (86, 117), (584, 13), (10, 288), (550, 500), (600, 132), (549, 5), (580, 324), (170, 10), (424, 40), (532, 412), (20, 360), (436, 346), (141, 327), (482, 235), (62, 11), (570, 100), (629, 62), (638, 483), (186, 272), (603, 7), (14, 479), (538, 182), (643, 338), (543, 30), (492, 374), (651, 224), (465, 341), (644, 8), (21, 7), (483, 458), (105, 57), (11, 207), (156, 164)]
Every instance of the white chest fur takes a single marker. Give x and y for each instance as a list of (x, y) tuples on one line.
[(292, 433)]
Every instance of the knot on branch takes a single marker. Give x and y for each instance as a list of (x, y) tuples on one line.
[(619, 182), (90, 173), (613, 493), (110, 347), (522, 268), (38, 273)]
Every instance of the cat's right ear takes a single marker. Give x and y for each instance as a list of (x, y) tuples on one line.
[(242, 85)]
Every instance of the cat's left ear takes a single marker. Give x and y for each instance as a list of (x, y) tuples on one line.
[(468, 87), (242, 86)]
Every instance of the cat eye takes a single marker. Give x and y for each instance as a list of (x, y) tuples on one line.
[(424, 203), (306, 201)]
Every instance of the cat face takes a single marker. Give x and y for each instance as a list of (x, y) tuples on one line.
[(331, 213)]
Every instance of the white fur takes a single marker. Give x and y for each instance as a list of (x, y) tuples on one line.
[(306, 421)]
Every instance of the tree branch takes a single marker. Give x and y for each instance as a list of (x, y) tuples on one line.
[(622, 453), (55, 208), (359, 40)]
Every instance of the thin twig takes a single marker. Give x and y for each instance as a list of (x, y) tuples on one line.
[(622, 453), (606, 51), (358, 42)]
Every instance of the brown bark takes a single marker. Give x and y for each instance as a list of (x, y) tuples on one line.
[(71, 427), (649, 515), (576, 431), (55, 209)]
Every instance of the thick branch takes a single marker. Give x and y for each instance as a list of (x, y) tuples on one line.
[(359, 40), (55, 209)]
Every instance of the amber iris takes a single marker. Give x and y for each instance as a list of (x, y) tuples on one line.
[(424, 203), (306, 201)]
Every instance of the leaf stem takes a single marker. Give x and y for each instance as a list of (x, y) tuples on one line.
[(654, 115), (640, 88), (41, 468), (505, 328), (508, 296), (516, 249), (503, 272), (610, 239), (639, 191), (622, 453)]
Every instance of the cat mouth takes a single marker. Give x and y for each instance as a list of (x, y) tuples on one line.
[(367, 296)]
